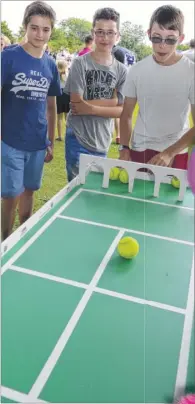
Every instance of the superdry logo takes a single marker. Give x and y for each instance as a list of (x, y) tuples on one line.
[(23, 83)]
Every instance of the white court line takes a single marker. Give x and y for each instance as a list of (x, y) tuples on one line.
[(17, 396), (140, 301), (186, 340), (49, 277), (103, 291), (58, 349), (38, 233), (108, 226), (137, 199)]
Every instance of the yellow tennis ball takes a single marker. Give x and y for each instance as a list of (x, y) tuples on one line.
[(123, 177), (128, 247), (175, 182), (114, 173)]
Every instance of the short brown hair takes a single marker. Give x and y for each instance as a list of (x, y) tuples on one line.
[(106, 14), (39, 8), (168, 17)]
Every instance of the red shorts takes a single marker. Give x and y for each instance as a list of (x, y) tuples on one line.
[(180, 161)]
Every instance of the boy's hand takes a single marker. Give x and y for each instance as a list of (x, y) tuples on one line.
[(81, 108), (163, 159), (125, 155), (49, 154)]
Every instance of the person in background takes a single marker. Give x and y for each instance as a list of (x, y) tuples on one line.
[(2, 42), (63, 100), (28, 127), (5, 42), (88, 45), (190, 53)]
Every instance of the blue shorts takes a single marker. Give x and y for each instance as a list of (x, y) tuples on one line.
[(20, 170), (73, 149)]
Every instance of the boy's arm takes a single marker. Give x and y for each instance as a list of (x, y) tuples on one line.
[(81, 107), (113, 102), (102, 108), (126, 127), (166, 157)]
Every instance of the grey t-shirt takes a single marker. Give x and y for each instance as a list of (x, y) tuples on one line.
[(93, 81)]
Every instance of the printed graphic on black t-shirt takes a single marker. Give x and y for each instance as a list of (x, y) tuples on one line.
[(100, 84)]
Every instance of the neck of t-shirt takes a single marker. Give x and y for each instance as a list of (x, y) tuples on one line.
[(171, 61), (31, 50), (102, 58)]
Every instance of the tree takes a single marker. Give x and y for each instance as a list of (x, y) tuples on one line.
[(141, 50), (58, 40), (6, 31), (182, 47), (132, 35), (75, 31), (21, 33)]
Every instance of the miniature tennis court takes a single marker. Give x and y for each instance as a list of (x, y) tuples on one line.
[(81, 324)]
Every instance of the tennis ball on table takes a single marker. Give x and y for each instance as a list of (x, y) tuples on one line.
[(123, 177), (175, 182), (128, 247), (114, 173)]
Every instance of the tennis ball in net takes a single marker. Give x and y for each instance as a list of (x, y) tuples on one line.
[(123, 177), (128, 247), (114, 173), (175, 182)]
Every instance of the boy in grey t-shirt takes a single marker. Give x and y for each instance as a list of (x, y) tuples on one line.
[(95, 85)]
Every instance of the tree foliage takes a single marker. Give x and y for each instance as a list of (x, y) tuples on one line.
[(183, 47), (7, 31), (58, 40), (132, 38), (131, 35), (75, 31), (21, 33)]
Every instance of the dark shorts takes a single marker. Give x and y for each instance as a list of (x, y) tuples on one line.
[(63, 103), (180, 161)]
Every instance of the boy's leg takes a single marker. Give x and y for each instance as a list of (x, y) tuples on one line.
[(59, 126), (12, 172), (25, 205), (8, 210), (33, 171), (117, 129)]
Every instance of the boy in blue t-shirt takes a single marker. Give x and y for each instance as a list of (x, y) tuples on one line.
[(30, 83)]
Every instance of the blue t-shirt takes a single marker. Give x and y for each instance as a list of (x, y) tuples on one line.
[(26, 83)]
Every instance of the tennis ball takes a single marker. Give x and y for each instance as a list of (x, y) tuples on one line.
[(123, 177), (114, 173), (128, 247), (175, 182)]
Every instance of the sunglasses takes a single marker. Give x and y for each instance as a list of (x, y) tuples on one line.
[(168, 41)]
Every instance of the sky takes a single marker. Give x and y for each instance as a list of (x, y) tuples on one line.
[(138, 12)]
